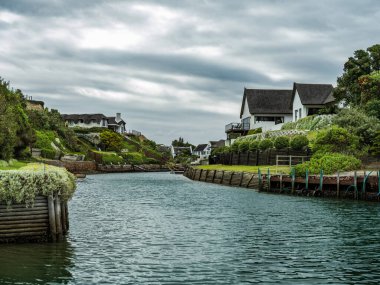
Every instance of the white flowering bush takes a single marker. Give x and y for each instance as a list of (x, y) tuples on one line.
[(22, 186)]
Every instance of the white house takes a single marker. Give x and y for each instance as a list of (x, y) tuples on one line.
[(203, 151), (265, 108), (308, 99), (177, 150), (116, 124)]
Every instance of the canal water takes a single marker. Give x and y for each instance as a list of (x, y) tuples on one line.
[(158, 228)]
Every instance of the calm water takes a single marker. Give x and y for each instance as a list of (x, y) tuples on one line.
[(164, 229)]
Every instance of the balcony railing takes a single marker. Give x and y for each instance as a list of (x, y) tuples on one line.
[(237, 127)]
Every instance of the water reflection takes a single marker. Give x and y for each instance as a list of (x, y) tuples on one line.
[(36, 263)]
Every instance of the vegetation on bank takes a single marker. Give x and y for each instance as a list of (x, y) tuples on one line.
[(23, 185), (246, 168)]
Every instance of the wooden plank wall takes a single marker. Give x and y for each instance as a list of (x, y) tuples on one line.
[(19, 223)]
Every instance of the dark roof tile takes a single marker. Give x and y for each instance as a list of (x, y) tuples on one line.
[(313, 94)]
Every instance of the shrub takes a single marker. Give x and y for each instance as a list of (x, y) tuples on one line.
[(244, 146), (254, 145), (372, 108), (329, 163), (336, 139), (255, 131), (299, 142), (48, 153), (265, 144), (111, 158), (314, 122), (281, 142), (44, 139), (235, 146), (358, 123), (22, 186), (135, 158), (111, 141)]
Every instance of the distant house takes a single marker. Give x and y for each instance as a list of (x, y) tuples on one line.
[(177, 150), (308, 99), (95, 120), (216, 144), (34, 105), (203, 151)]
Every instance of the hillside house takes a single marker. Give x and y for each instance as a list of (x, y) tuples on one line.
[(203, 151), (116, 124)]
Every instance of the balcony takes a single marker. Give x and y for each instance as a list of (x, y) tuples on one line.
[(237, 128)]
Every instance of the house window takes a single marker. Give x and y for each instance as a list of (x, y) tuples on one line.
[(295, 115), (246, 123), (300, 113)]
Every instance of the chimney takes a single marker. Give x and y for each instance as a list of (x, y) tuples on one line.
[(118, 117)]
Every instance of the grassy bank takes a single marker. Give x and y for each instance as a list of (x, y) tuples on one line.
[(245, 168)]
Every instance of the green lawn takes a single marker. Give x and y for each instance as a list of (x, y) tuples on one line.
[(13, 165), (246, 168)]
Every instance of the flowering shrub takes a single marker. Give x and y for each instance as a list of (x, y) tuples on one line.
[(22, 186)]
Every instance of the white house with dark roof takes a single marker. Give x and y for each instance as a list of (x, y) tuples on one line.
[(202, 150), (270, 108), (265, 108), (116, 124), (308, 99)]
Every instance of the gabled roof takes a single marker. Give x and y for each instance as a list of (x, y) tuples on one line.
[(200, 147), (112, 121), (267, 101), (313, 94), (86, 118), (219, 143)]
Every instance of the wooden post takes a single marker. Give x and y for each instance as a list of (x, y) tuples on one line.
[(248, 154), (241, 179), (250, 180), (338, 184), (63, 217), (200, 175), (307, 180), (57, 207), (355, 185), (52, 225), (213, 176), (238, 160), (293, 179), (232, 175), (260, 179), (207, 171), (321, 180), (221, 179)]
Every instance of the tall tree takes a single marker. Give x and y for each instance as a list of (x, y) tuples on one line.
[(363, 63)]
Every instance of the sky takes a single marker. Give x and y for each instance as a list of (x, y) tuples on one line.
[(176, 68)]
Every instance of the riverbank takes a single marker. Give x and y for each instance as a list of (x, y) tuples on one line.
[(358, 186)]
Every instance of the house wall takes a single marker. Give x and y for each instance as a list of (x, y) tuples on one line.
[(246, 113), (297, 104), (89, 125)]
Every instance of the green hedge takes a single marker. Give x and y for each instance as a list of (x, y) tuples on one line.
[(22, 186), (299, 142), (281, 142), (329, 163), (265, 144)]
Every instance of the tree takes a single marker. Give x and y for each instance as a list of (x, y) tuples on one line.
[(363, 63), (15, 131), (180, 143), (111, 141)]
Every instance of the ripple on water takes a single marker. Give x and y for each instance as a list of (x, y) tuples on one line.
[(157, 228)]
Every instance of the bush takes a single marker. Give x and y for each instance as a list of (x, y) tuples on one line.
[(135, 158), (244, 146), (330, 163), (255, 131), (311, 123), (235, 146), (111, 140), (281, 142), (265, 144), (336, 139), (48, 153), (111, 158), (254, 145), (299, 142), (358, 123), (22, 186), (44, 139)]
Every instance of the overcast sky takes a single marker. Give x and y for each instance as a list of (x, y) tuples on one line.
[(175, 68)]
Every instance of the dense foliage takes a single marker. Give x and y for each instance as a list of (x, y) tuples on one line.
[(299, 142), (336, 139), (310, 123), (111, 141), (281, 142), (330, 163), (22, 186), (15, 131), (243, 146), (265, 144), (356, 83)]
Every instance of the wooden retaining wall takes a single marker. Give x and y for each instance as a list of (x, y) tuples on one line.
[(357, 187), (46, 220)]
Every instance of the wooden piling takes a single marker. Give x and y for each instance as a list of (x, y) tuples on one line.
[(52, 224), (338, 184), (200, 175), (249, 181), (232, 175), (241, 179), (58, 214), (213, 176), (221, 179)]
